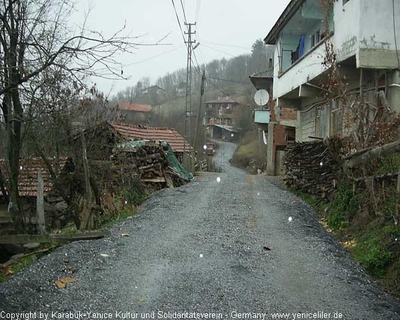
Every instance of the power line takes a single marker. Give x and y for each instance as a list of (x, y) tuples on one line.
[(197, 66), (216, 87), (183, 10), (153, 57), (179, 22), (219, 50), (225, 45)]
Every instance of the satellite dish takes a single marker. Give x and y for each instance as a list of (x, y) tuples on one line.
[(261, 97)]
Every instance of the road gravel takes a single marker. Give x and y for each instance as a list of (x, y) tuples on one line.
[(230, 245)]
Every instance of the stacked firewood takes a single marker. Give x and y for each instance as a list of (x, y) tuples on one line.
[(148, 164), (311, 168)]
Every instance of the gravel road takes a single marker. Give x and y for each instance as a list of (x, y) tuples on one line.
[(228, 245)]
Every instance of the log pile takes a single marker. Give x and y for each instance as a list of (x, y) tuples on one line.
[(311, 168), (148, 164)]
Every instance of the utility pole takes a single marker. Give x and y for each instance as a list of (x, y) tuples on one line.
[(196, 133), (188, 104)]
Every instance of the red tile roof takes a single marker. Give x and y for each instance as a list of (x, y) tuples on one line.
[(28, 176), (129, 106), (222, 101), (175, 140)]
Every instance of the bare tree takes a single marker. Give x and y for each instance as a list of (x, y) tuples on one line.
[(34, 37)]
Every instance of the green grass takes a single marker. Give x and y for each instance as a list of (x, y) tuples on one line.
[(249, 151), (343, 207), (390, 164), (6, 273), (374, 248)]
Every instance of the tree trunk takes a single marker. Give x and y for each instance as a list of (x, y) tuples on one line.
[(13, 152), (14, 116)]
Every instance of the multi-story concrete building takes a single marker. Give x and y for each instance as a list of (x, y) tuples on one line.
[(364, 34)]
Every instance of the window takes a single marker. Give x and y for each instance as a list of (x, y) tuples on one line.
[(345, 1), (315, 38)]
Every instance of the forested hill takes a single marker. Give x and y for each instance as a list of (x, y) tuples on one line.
[(218, 72)]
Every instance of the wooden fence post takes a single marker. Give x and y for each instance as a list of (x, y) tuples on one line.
[(40, 205)]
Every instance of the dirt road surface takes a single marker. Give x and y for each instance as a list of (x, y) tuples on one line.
[(228, 245)]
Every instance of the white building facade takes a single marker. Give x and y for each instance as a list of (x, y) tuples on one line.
[(365, 35)]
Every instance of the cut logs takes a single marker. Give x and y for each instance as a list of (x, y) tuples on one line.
[(311, 168), (150, 163)]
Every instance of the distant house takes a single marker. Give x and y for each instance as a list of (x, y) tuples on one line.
[(366, 55), (152, 90), (134, 113), (220, 111), (220, 118)]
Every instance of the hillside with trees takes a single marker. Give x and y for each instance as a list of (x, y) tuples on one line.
[(220, 74)]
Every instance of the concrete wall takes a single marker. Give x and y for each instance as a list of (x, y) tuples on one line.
[(347, 28), (376, 42), (307, 124)]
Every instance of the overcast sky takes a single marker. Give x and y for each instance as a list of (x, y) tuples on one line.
[(225, 28)]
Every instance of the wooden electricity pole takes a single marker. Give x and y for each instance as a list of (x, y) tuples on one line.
[(196, 133)]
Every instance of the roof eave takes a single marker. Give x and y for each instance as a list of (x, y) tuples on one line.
[(290, 10)]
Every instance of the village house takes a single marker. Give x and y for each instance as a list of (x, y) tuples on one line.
[(220, 119), (364, 36), (152, 90), (134, 113)]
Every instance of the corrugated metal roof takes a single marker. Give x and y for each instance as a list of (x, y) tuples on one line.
[(28, 176), (175, 140), (222, 100), (129, 106), (227, 128)]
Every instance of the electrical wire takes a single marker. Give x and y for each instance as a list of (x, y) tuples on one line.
[(183, 10), (216, 87), (197, 66), (225, 45), (204, 45), (395, 37), (153, 57), (179, 22)]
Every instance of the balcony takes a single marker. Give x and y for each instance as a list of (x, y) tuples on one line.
[(302, 33)]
